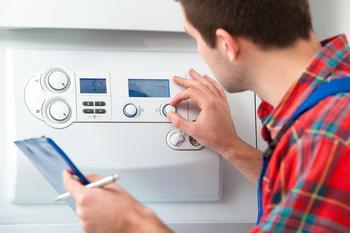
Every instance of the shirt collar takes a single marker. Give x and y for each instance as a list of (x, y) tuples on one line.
[(321, 69)]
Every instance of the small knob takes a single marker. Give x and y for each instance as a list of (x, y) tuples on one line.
[(177, 138), (194, 142), (58, 80), (168, 108), (130, 110), (59, 110)]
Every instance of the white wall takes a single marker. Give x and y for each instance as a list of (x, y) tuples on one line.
[(149, 15)]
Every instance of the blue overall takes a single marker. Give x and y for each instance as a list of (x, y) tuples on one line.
[(325, 90)]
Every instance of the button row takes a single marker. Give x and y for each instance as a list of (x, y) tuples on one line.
[(176, 140), (91, 103), (96, 111), (131, 110)]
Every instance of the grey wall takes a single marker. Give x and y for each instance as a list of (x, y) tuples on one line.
[(331, 17)]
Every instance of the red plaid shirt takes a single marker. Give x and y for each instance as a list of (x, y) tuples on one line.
[(307, 184)]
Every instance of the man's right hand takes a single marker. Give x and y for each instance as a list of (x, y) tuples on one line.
[(214, 127)]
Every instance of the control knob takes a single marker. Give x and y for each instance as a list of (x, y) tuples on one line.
[(59, 111), (130, 110), (177, 138), (168, 108), (57, 80)]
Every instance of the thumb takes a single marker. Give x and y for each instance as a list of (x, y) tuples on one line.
[(71, 185), (93, 177), (180, 123)]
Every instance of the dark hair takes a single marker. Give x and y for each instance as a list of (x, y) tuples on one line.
[(267, 23)]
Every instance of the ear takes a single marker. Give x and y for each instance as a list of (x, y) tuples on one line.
[(227, 44)]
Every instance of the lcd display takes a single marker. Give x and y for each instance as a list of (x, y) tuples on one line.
[(93, 86), (149, 88)]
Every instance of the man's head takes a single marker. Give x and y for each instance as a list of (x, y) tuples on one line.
[(222, 27)]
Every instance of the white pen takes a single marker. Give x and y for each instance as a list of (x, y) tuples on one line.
[(96, 184)]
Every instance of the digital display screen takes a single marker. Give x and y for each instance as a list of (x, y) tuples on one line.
[(93, 86), (149, 88)]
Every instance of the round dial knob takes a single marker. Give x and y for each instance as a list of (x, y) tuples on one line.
[(58, 80), (130, 110), (177, 139), (59, 111), (168, 108)]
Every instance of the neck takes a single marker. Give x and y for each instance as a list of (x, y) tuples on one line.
[(274, 72)]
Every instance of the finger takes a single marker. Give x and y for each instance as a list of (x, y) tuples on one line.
[(190, 93), (181, 81), (71, 185), (180, 123), (178, 98), (189, 83), (196, 76), (209, 82), (217, 86), (93, 177)]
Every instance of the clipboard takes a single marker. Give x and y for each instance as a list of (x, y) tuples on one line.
[(51, 161)]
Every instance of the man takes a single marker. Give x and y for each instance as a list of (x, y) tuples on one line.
[(266, 46)]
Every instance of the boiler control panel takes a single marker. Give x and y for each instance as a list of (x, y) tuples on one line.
[(61, 97)]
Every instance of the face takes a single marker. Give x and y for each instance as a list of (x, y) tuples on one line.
[(229, 72)]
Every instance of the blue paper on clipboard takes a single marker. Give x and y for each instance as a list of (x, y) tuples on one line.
[(51, 161)]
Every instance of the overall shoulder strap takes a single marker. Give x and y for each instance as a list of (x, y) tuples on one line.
[(325, 90)]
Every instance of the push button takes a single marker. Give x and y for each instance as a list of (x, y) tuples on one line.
[(100, 103), (88, 103), (100, 111), (88, 111)]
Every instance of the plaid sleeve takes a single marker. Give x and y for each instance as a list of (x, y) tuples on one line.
[(312, 191)]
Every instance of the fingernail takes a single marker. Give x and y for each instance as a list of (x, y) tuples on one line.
[(65, 174)]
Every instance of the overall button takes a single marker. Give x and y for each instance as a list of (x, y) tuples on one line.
[(58, 80), (59, 111), (100, 103), (168, 108), (130, 110), (88, 103), (100, 111), (88, 111)]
